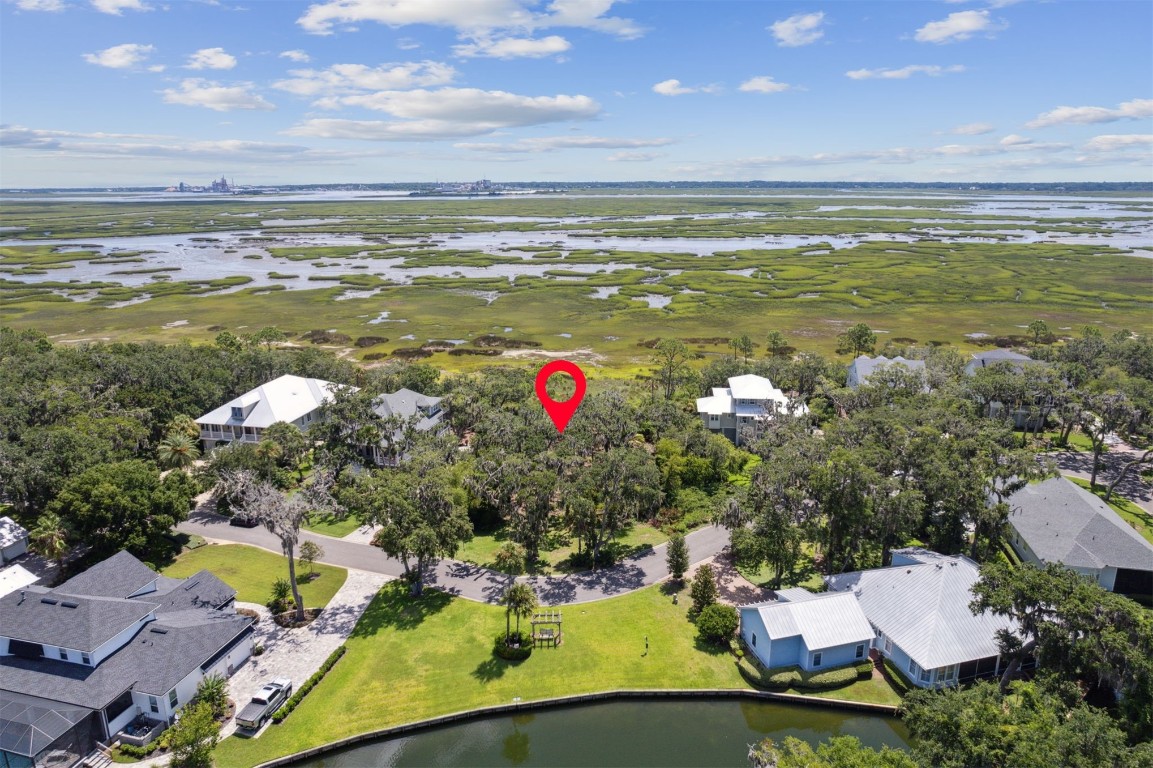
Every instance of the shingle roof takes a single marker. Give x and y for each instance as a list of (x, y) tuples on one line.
[(864, 366), (1063, 523), (993, 356), (118, 576), (822, 621), (404, 403), (68, 621), (284, 399), (924, 609), (200, 590), (28, 724)]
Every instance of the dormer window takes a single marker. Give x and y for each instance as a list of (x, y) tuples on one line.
[(237, 413)]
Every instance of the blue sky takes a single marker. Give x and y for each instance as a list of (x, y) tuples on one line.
[(111, 92)]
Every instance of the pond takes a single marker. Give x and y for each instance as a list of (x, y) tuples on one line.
[(678, 732)]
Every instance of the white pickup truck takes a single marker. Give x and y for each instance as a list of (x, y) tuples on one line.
[(266, 701)]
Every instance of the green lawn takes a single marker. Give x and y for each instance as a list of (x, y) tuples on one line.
[(872, 691), (1078, 441), (1129, 512), (251, 571), (482, 549), (414, 659), (330, 526), (804, 575)]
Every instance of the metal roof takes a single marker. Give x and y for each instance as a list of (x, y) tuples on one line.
[(11, 532), (822, 621), (1064, 523), (924, 609), (284, 399), (864, 366)]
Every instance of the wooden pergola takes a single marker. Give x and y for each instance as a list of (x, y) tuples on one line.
[(546, 635)]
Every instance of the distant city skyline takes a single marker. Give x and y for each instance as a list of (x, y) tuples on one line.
[(152, 93)]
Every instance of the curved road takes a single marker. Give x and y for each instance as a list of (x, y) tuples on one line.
[(472, 581)]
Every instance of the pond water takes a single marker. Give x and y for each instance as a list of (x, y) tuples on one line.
[(687, 732)]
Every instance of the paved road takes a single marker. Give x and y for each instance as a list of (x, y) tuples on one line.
[(1134, 488), (472, 581)]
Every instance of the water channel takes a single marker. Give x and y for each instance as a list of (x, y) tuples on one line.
[(667, 733)]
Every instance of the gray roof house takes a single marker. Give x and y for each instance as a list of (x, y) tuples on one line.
[(864, 366), (919, 609), (1057, 521), (291, 399), (993, 356), (807, 630), (13, 540), (80, 661), (408, 410)]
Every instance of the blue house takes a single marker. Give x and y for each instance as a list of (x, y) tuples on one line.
[(806, 630)]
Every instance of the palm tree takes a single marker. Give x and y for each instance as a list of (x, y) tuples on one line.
[(185, 425), (521, 600), (49, 538), (177, 451)]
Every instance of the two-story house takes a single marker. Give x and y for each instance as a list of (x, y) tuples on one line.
[(405, 410), (291, 399), (748, 400), (80, 661)]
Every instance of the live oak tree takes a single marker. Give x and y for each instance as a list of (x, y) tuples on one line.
[(614, 489)]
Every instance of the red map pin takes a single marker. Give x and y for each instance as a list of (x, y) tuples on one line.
[(561, 412)]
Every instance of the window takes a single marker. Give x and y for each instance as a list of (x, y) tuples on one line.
[(926, 675), (153, 704), (172, 702), (861, 651), (817, 659), (84, 657), (237, 413), (63, 654), (754, 639), (888, 646)]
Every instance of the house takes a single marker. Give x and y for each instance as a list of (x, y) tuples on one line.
[(404, 410), (919, 610), (80, 661), (807, 630), (13, 540), (1057, 521), (992, 357), (1023, 415), (748, 400), (291, 399), (864, 366)]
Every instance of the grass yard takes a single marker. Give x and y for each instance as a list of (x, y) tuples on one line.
[(414, 659), (875, 690), (804, 575), (331, 526), (251, 571), (1129, 512), (483, 547)]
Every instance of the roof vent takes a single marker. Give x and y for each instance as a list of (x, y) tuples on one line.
[(158, 630), (48, 600), (69, 604), (191, 584)]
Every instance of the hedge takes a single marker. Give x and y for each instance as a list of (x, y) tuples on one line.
[(828, 679), (864, 670), (501, 647), (795, 677), (897, 680), (286, 710)]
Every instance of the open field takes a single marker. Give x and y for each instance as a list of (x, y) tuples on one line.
[(587, 277), (251, 571), (412, 659)]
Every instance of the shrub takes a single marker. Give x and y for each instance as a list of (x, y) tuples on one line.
[(257, 649), (864, 670), (250, 613), (718, 623), (280, 591), (828, 679), (897, 681), (704, 589), (286, 710), (784, 678), (502, 648), (139, 753)]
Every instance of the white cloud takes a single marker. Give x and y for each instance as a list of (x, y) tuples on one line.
[(1014, 140), (763, 84), (633, 157), (973, 129), (958, 26), (933, 70), (513, 48), (1129, 110), (115, 7), (211, 58), (555, 143), (469, 17), (429, 115), (195, 92), (673, 87), (1115, 142), (41, 5), (801, 29), (296, 55), (350, 78), (124, 56)]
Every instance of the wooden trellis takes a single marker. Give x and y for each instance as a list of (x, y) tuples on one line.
[(546, 635)]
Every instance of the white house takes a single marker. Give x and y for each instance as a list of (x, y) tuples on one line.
[(807, 630), (1057, 521), (13, 540), (919, 609), (864, 366), (291, 399), (748, 400), (82, 660)]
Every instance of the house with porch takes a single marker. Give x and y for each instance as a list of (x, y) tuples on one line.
[(746, 402), (403, 411), (919, 611), (291, 399), (811, 631), (1057, 521), (81, 661)]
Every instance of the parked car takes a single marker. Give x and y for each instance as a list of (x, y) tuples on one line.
[(243, 521), (264, 702)]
